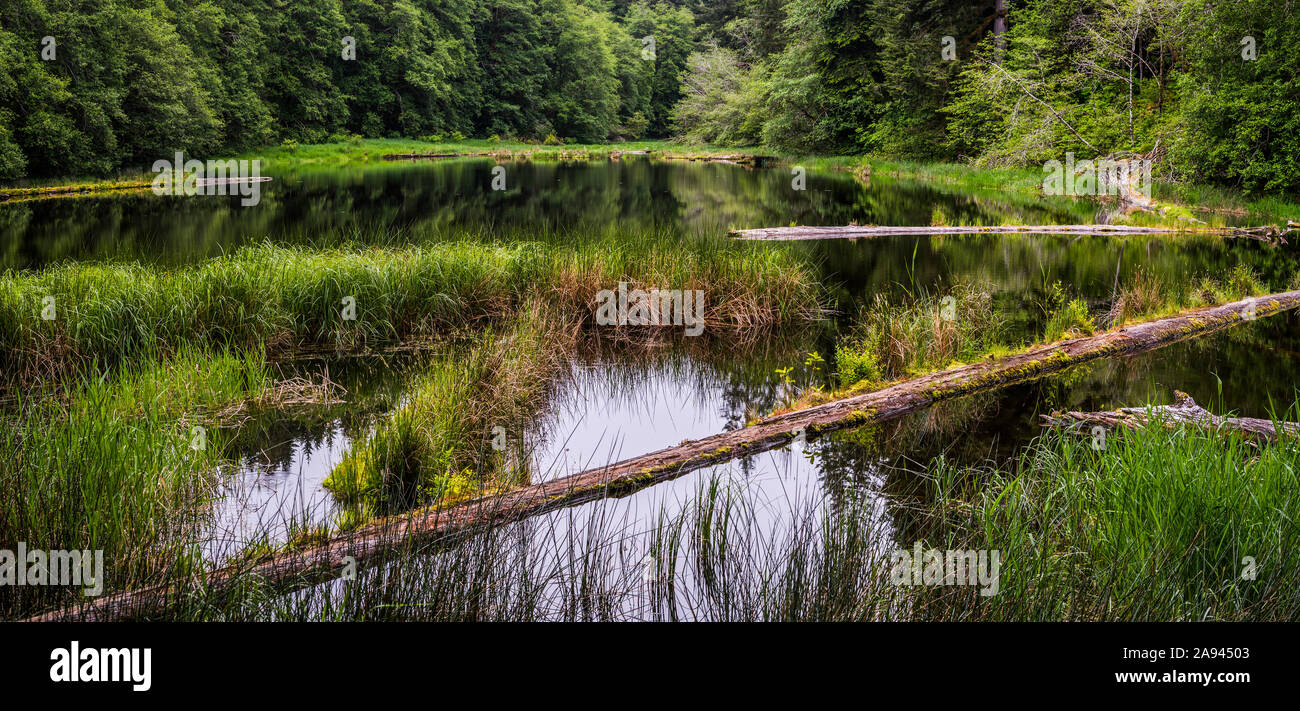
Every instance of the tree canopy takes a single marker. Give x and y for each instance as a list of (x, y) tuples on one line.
[(1209, 87)]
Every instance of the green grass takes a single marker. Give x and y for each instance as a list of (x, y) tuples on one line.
[(365, 150), (1066, 317), (287, 299), (891, 341), (437, 446), (1146, 297), (1153, 526), (113, 462), (71, 187)]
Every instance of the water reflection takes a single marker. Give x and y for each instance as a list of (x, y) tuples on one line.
[(267, 498), (613, 407), (360, 203)]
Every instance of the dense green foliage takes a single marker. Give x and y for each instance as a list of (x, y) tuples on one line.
[(125, 82), (1207, 88)]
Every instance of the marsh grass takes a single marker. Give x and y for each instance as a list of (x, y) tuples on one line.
[(1066, 316), (112, 464), (438, 446), (374, 149), (929, 332), (1154, 526), (285, 300), (1145, 296), (934, 331), (129, 460)]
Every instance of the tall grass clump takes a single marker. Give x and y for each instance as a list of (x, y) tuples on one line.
[(285, 299), (1145, 296), (1240, 282), (935, 329), (1066, 317), (114, 463), (437, 446), (1160, 524)]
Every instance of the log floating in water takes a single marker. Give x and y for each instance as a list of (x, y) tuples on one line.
[(319, 563), (424, 156), (783, 234), (732, 158), (1184, 411)]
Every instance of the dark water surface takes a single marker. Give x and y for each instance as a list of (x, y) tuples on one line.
[(321, 206)]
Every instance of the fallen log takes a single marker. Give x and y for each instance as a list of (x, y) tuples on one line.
[(427, 156), (15, 194), (319, 563), (730, 158), (1184, 412), (785, 234)]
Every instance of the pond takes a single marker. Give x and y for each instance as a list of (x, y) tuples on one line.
[(614, 403)]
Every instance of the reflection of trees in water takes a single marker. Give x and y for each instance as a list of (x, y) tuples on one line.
[(1021, 268), (273, 439), (1254, 363), (735, 373), (321, 207), (276, 443), (567, 200)]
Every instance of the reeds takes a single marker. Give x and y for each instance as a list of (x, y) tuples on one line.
[(1145, 296), (1157, 525), (288, 299), (459, 430), (1152, 524), (115, 463), (930, 332)]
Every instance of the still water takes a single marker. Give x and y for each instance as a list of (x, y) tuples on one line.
[(612, 405)]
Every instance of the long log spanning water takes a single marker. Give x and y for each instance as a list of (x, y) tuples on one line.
[(319, 563), (789, 234)]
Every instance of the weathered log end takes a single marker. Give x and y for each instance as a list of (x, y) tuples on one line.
[(1183, 413)]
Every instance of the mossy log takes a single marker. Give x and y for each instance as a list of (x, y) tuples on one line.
[(732, 158), (790, 234), (468, 154), (1183, 413), (321, 562)]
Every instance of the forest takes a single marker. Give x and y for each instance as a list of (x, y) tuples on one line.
[(1206, 88)]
